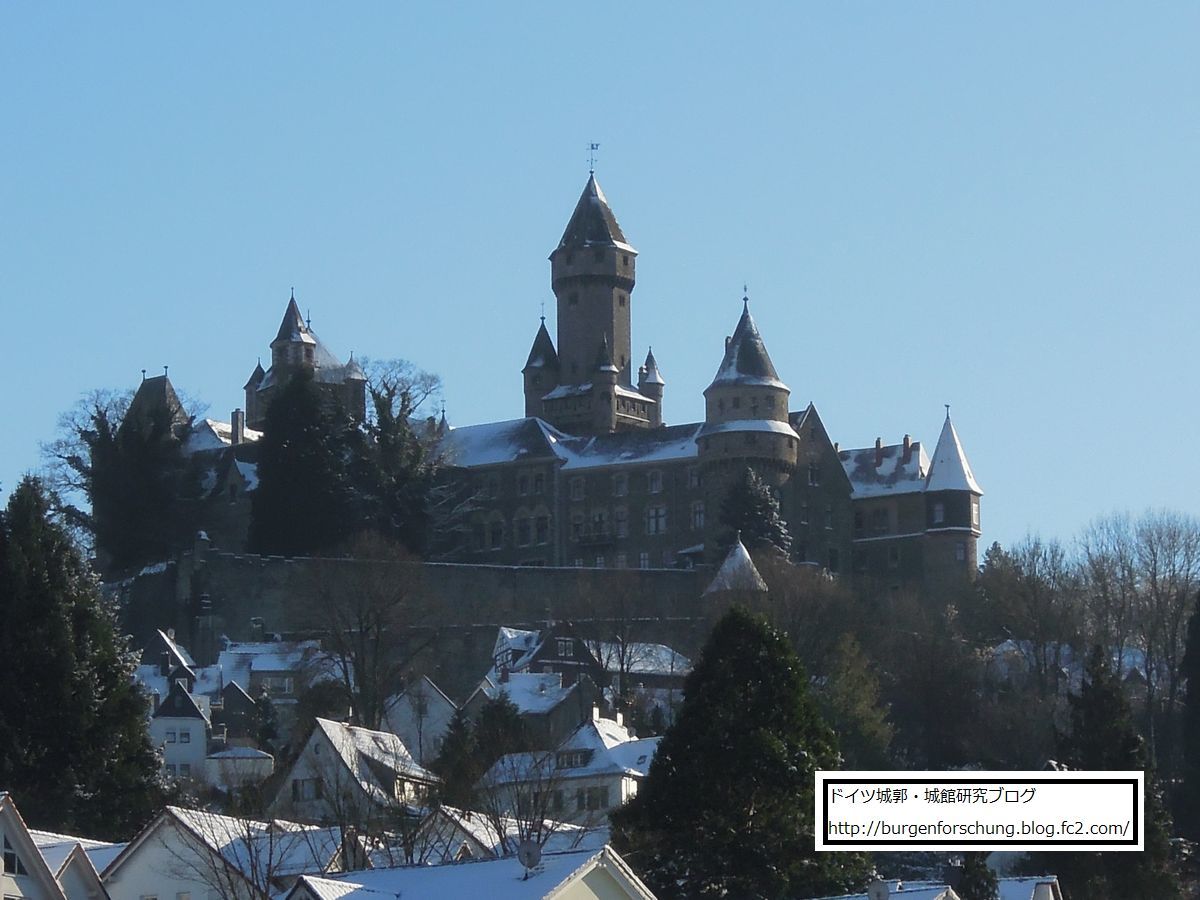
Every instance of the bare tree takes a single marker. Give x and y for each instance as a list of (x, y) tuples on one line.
[(1108, 559)]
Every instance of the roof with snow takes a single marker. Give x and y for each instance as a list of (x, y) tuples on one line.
[(56, 849), (542, 354), (899, 471), (907, 890), (950, 470), (737, 572), (446, 827), (608, 749), (1029, 887), (327, 368), (640, 658), (593, 221), (367, 755), (746, 361), (209, 434), (495, 879), (533, 693), (652, 375)]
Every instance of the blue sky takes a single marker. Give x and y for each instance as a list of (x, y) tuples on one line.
[(992, 207)]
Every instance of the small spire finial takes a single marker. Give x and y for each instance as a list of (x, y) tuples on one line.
[(592, 148), (947, 405), (543, 312), (308, 319), (143, 374), (293, 292), (164, 371)]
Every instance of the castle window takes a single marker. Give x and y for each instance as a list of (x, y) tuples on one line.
[(621, 522), (523, 485), (814, 474), (620, 484), (497, 535), (308, 354), (600, 523), (620, 299), (770, 402), (625, 259), (654, 481), (524, 532), (960, 551), (600, 561), (693, 474), (656, 519), (643, 560), (578, 562), (539, 483), (577, 488), (698, 516), (576, 526), (975, 512), (621, 561), (542, 529), (939, 513)]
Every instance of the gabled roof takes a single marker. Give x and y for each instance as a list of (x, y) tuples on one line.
[(737, 572), (949, 470), (179, 704), (26, 849), (542, 354), (447, 828), (532, 693), (746, 361), (366, 754), (613, 750), (593, 221), (500, 442)]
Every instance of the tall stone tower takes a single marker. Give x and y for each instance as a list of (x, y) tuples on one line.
[(745, 424), (952, 495), (585, 386), (592, 273)]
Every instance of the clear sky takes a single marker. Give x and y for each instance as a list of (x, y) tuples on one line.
[(993, 206)]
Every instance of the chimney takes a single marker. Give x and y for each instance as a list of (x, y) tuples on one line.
[(620, 718), (504, 674), (728, 340), (595, 713), (237, 427), (164, 663), (878, 452), (154, 700), (257, 629), (907, 449)]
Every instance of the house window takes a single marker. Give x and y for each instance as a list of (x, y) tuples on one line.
[(185, 737), (577, 488), (539, 483), (939, 513), (620, 484), (12, 862), (643, 560), (656, 519), (698, 516), (185, 770), (541, 527), (960, 551), (306, 789), (654, 481), (621, 522), (597, 798), (814, 474), (171, 769), (580, 800), (565, 647), (693, 473), (171, 737)]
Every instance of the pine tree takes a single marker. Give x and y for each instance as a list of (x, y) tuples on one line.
[(456, 764), (302, 504), (727, 809), (74, 750), (850, 701), (752, 510), (1103, 737), (978, 881)]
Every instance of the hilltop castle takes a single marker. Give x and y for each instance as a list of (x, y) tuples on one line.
[(591, 476)]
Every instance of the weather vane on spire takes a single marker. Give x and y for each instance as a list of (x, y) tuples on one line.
[(592, 148)]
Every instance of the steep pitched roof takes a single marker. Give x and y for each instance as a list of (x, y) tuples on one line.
[(593, 221), (886, 470), (652, 375), (542, 355), (155, 401), (950, 470), (366, 754), (604, 360), (293, 327), (256, 377), (746, 361), (737, 572)]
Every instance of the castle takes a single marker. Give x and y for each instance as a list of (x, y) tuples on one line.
[(591, 476)]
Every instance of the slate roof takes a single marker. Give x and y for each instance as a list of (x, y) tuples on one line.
[(293, 328), (652, 374), (895, 474), (950, 470), (593, 221), (542, 354), (155, 397), (746, 361)]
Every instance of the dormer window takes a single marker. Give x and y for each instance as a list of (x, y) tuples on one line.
[(12, 862)]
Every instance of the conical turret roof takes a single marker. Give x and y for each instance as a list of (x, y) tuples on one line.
[(593, 221), (950, 470), (604, 360), (652, 375), (542, 355), (746, 360), (293, 327), (256, 377), (737, 572)]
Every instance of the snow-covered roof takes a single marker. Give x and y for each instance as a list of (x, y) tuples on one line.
[(950, 470), (446, 826), (899, 471), (515, 647), (907, 890), (1029, 887), (767, 426), (746, 362), (533, 693), (495, 879), (56, 849), (240, 753), (737, 572), (640, 658), (210, 434), (500, 442), (613, 750), (638, 446), (593, 221), (362, 751), (247, 844)]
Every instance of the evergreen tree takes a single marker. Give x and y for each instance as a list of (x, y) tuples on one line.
[(978, 881), (456, 764), (74, 750), (268, 724), (727, 809), (751, 509), (302, 504), (499, 730), (850, 701), (1188, 817), (1103, 737)]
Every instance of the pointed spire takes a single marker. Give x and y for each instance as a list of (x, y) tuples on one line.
[(604, 361), (651, 373), (737, 572), (593, 221), (293, 326), (950, 470), (542, 355), (746, 360), (256, 377)]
